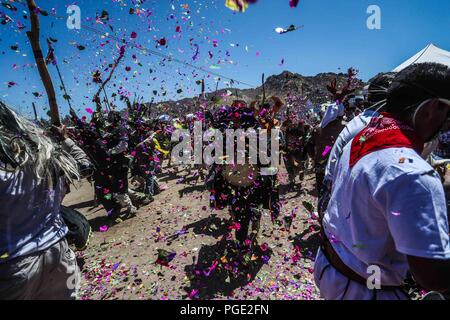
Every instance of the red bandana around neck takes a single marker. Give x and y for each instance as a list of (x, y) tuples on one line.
[(384, 132)]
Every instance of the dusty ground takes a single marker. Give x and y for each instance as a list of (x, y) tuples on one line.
[(120, 262)]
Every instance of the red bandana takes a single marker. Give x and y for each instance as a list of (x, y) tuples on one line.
[(384, 132)]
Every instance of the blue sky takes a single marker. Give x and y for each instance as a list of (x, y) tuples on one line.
[(242, 45)]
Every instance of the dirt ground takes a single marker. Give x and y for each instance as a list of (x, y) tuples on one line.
[(119, 262)]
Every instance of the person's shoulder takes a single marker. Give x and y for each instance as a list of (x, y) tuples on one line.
[(363, 119), (404, 159), (393, 163), (398, 170)]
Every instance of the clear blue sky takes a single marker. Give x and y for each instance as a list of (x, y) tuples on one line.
[(334, 38)]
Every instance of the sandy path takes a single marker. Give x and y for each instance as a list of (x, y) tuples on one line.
[(120, 263)]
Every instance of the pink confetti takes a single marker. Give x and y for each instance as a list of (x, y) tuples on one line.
[(326, 151), (293, 3), (193, 293)]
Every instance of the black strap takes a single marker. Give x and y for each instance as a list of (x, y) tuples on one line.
[(342, 268), (337, 263)]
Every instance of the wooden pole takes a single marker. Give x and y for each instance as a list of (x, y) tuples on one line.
[(33, 36), (203, 89), (63, 86), (35, 113), (106, 99), (264, 89), (217, 85), (102, 86)]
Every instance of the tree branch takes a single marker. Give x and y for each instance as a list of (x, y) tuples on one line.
[(33, 36)]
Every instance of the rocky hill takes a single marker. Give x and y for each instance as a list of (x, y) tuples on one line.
[(287, 83)]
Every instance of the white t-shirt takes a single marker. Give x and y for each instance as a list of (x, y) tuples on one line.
[(348, 133), (389, 205)]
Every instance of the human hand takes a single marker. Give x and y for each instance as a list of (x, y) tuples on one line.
[(60, 132)]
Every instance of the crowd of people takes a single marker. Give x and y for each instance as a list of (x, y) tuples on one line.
[(380, 167)]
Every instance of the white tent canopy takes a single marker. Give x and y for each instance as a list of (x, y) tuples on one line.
[(430, 54)]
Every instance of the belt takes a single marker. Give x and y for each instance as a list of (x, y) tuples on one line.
[(342, 268)]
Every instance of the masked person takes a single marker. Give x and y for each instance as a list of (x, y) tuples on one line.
[(387, 215), (145, 159), (324, 137), (116, 137), (295, 155), (89, 137), (35, 259), (376, 100), (242, 187)]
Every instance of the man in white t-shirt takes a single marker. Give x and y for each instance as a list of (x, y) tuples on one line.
[(377, 99), (387, 215)]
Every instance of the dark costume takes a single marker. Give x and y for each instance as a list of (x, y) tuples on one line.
[(244, 201), (110, 173), (324, 139), (144, 159), (295, 154), (117, 143)]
